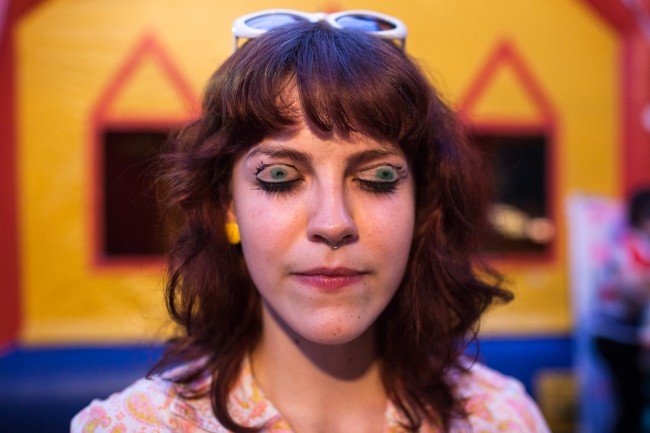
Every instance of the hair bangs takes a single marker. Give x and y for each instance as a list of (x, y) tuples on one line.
[(341, 81)]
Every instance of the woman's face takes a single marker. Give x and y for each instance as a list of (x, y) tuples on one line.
[(295, 197)]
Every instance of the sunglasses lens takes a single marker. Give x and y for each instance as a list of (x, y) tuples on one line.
[(365, 23), (272, 21)]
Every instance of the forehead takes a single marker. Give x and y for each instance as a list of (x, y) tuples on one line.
[(304, 142)]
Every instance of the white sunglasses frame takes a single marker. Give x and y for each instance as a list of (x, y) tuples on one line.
[(242, 30)]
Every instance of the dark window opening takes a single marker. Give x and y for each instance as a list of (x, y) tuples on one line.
[(131, 218), (520, 209)]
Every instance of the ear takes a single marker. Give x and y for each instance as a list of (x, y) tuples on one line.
[(231, 214)]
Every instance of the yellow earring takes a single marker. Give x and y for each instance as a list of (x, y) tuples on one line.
[(232, 233)]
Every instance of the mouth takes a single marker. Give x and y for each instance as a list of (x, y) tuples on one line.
[(331, 272), (329, 279)]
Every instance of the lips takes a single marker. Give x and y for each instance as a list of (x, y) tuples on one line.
[(330, 278)]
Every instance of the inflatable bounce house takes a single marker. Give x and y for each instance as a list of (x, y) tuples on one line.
[(556, 92)]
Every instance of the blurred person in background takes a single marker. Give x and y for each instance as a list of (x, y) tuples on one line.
[(622, 315)]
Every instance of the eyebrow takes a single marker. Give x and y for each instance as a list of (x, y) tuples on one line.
[(281, 152), (355, 159), (365, 156)]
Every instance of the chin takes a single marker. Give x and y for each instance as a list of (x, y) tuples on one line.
[(332, 335), (332, 340), (328, 327)]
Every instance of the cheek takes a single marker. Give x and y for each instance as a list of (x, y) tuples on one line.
[(393, 225), (398, 226), (390, 238), (266, 230)]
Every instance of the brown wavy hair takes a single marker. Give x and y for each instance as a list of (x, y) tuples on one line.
[(346, 82)]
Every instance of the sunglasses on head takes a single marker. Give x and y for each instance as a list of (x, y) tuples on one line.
[(383, 26)]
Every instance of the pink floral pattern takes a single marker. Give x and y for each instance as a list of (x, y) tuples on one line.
[(495, 403)]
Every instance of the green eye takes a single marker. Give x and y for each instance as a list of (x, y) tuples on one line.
[(380, 174), (278, 174), (386, 174), (380, 179), (277, 178)]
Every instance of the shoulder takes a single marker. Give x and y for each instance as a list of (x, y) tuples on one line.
[(147, 406), (498, 403)]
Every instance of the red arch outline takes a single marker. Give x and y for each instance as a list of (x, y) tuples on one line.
[(147, 47), (634, 91), (10, 277), (505, 55)]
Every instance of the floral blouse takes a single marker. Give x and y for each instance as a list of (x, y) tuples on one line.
[(495, 403)]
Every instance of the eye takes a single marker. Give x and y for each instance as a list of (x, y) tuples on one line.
[(380, 178), (278, 174), (277, 178), (385, 174)]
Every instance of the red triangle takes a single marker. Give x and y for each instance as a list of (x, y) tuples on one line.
[(505, 56), (148, 49)]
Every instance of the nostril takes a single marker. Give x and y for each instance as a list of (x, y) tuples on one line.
[(336, 245), (342, 241)]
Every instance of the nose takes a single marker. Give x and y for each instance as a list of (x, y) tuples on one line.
[(331, 221)]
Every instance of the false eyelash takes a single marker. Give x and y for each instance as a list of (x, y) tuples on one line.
[(278, 187), (261, 166), (379, 187)]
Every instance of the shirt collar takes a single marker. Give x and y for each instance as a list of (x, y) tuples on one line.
[(249, 407)]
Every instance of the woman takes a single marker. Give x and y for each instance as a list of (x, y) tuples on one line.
[(323, 273)]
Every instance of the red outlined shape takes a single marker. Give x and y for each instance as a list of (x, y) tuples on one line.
[(506, 56), (635, 96), (10, 277), (613, 13), (633, 89), (147, 48)]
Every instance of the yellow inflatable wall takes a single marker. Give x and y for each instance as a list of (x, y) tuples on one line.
[(83, 65)]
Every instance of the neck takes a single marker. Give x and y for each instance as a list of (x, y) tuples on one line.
[(309, 382), (280, 347)]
